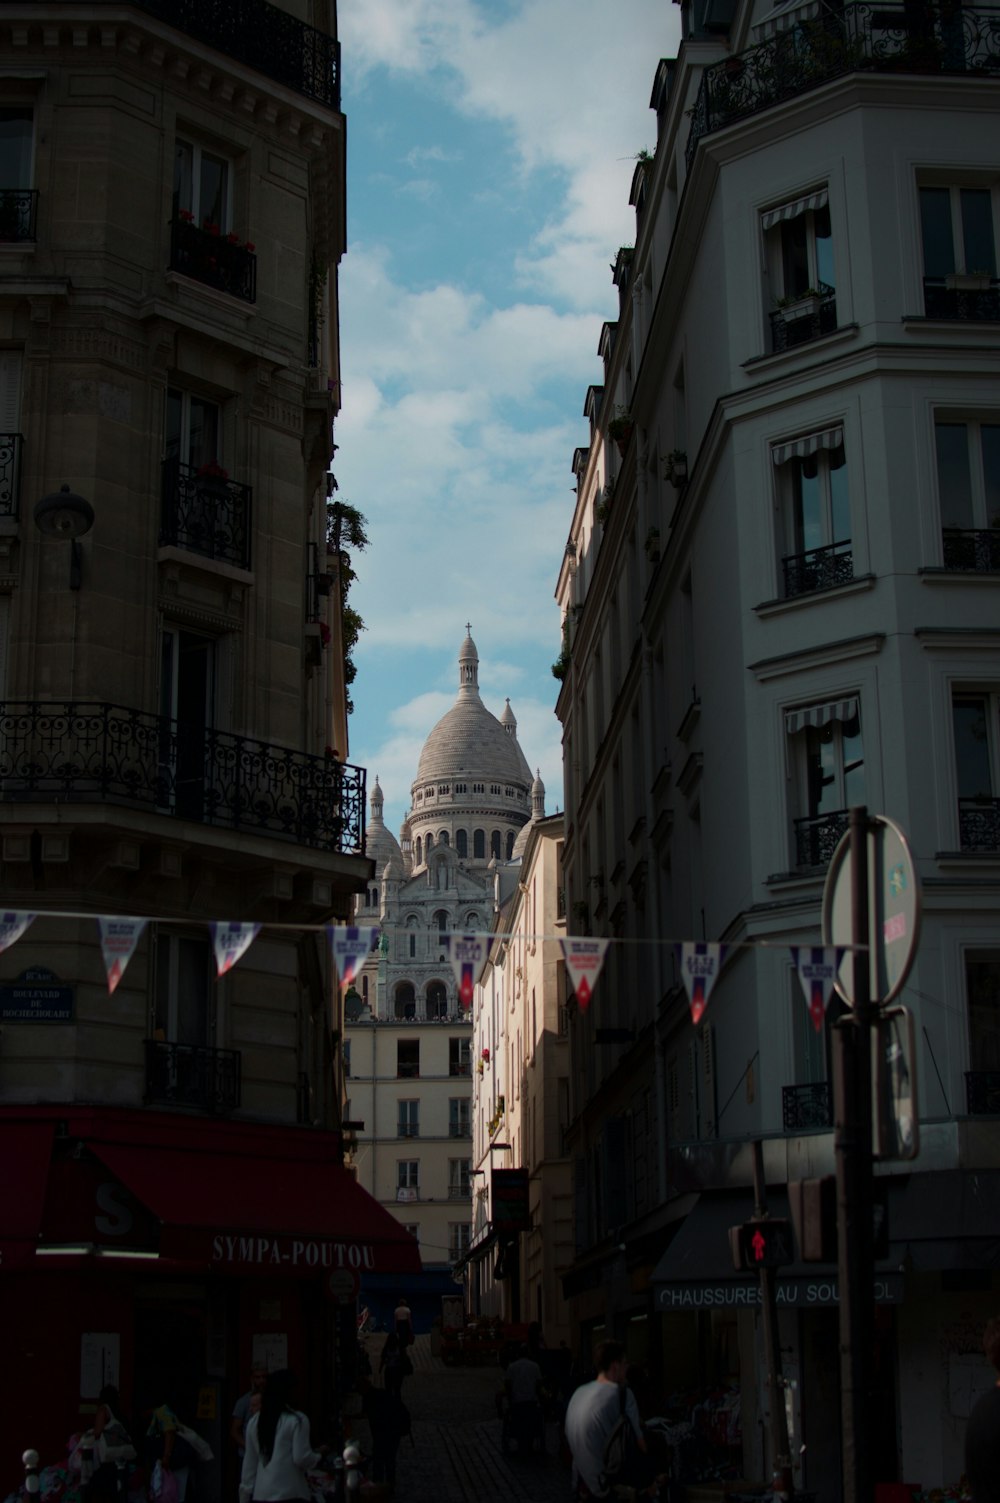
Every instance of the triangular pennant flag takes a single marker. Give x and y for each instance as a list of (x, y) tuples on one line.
[(12, 926), (584, 958), (119, 937), (817, 967), (350, 946), (701, 962), (469, 954), (231, 941)]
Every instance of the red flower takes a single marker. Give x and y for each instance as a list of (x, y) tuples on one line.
[(324, 634), (250, 246), (186, 217), (212, 471), (213, 229), (233, 238)]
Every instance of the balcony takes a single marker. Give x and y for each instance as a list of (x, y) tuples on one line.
[(205, 513), (982, 1093), (18, 212), (807, 1108), (817, 569), (816, 839), (77, 752), (972, 299), (979, 824), (459, 1192), (463, 1067), (10, 474), (977, 551), (935, 40), (216, 260), (459, 1130), (407, 1130), (192, 1075), (803, 319)]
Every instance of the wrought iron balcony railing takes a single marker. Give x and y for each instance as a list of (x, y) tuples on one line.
[(407, 1130), (982, 1093), (207, 514), (977, 550), (926, 39), (979, 824), (265, 38), (192, 1075), (977, 304), (10, 474), (818, 569), (213, 259), (819, 317), (816, 839), (460, 1192), (76, 752), (459, 1130), (805, 1108), (18, 213)]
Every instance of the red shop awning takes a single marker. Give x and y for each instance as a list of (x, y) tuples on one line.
[(251, 1213), (25, 1155)]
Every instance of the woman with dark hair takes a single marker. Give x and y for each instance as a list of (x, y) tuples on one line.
[(278, 1449)]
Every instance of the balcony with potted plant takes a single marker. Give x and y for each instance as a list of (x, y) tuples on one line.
[(620, 429), (676, 468), (802, 316), (213, 257), (204, 512)]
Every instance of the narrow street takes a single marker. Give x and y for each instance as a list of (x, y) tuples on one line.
[(455, 1454)]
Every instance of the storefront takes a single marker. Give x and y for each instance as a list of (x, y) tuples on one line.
[(165, 1254)]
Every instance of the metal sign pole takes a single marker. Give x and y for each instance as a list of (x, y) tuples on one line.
[(781, 1464), (855, 1195)]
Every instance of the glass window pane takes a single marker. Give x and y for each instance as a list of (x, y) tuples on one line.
[(172, 425), (183, 177), (954, 480), (824, 246), (854, 761), (212, 192), (935, 225), (192, 990), (990, 435), (977, 230), (807, 516), (972, 748), (823, 790), (15, 148), (203, 444), (983, 980), (794, 257), (840, 506)]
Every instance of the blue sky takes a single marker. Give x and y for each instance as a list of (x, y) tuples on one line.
[(490, 152)]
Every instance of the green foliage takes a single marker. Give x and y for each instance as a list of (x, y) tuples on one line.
[(345, 530)]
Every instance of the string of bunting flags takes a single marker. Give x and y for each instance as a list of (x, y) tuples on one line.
[(700, 961)]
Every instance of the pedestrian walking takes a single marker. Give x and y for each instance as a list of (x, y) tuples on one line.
[(394, 1364), (403, 1322), (982, 1433), (593, 1412), (388, 1420), (279, 1451), (244, 1407)]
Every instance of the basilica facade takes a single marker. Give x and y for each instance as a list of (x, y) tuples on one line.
[(408, 1041)]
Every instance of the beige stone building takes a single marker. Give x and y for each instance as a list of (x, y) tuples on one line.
[(171, 693)]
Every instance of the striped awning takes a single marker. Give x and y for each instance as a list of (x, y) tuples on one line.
[(784, 17), (820, 715), (810, 443), (795, 209)]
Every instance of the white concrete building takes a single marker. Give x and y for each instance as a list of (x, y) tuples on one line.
[(780, 600), (408, 1037)]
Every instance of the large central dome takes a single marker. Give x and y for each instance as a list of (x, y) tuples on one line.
[(470, 743)]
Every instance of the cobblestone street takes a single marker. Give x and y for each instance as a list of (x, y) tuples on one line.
[(455, 1455)]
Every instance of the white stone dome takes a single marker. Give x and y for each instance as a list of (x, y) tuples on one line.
[(469, 743), (380, 843)]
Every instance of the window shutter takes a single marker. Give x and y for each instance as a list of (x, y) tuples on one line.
[(10, 391)]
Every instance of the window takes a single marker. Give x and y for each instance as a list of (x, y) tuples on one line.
[(413, 1227), (495, 843), (17, 200), (982, 982), (407, 1058), (184, 991), (510, 844), (460, 1056), (188, 672), (408, 1121), (975, 725), (459, 1181), (182, 1065), (201, 186), (10, 422), (444, 838), (437, 1000), (815, 510), (968, 473), (408, 1179), (193, 430), (461, 843), (459, 1234), (419, 850), (958, 231), (798, 255), (347, 1058), (828, 763), (459, 1122), (405, 1002), (413, 945), (479, 845)]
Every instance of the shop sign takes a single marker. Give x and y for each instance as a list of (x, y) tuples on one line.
[(800, 1294), (510, 1200), (37, 996), (298, 1254)]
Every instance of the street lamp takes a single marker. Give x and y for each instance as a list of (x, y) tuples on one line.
[(64, 514)]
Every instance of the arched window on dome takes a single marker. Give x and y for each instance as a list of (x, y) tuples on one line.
[(472, 922), (430, 844), (510, 844), (479, 845), (444, 838), (405, 1002), (462, 843), (419, 850), (437, 1000), (495, 844), (411, 938)]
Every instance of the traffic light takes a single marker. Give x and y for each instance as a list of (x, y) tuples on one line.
[(761, 1244), (813, 1204)]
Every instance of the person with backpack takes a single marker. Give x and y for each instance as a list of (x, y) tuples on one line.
[(604, 1431)]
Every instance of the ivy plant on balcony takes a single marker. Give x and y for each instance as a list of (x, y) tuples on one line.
[(345, 529)]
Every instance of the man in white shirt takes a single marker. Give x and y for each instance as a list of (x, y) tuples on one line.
[(591, 1415)]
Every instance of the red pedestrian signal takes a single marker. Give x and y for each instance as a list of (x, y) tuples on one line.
[(762, 1244)]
